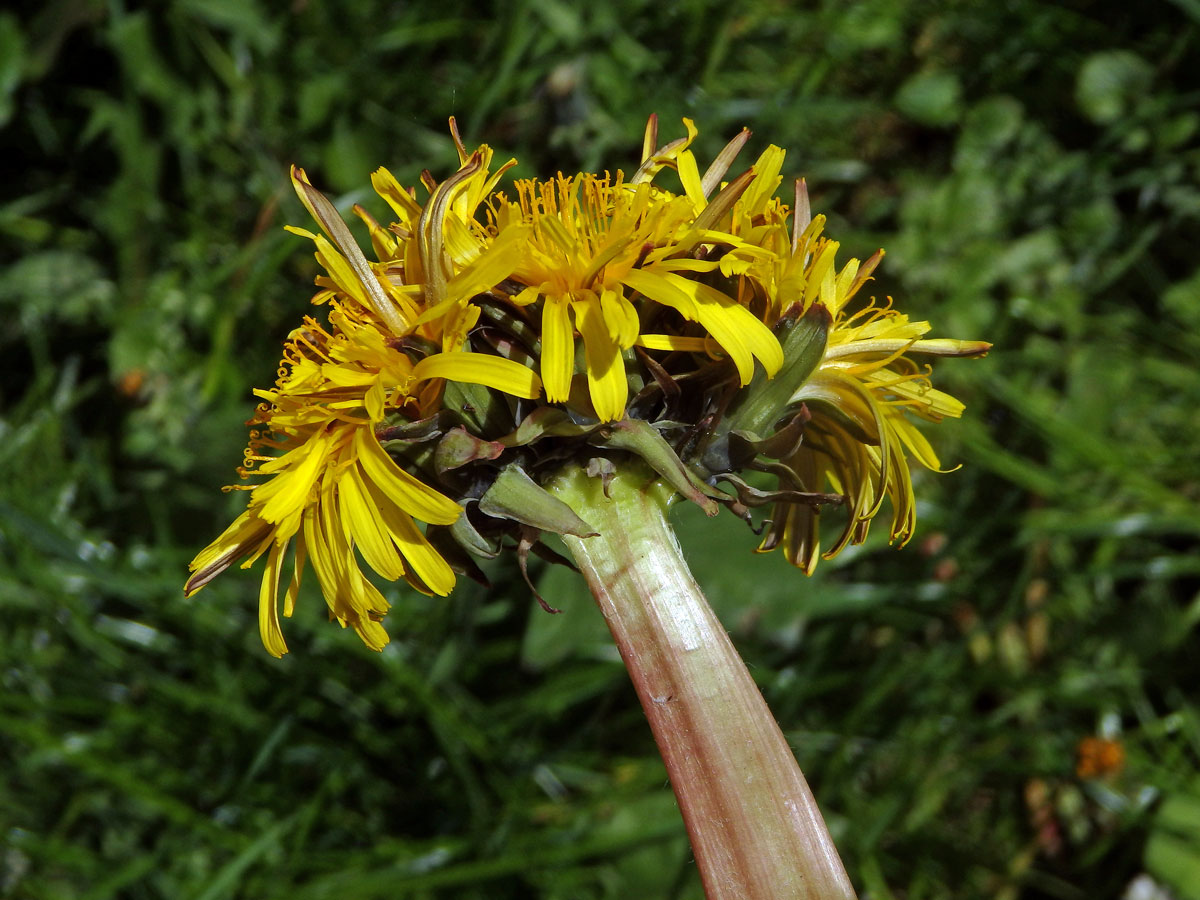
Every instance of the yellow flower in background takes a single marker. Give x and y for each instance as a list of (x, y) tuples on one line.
[(706, 330)]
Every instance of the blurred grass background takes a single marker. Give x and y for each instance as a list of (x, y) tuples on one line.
[(1005, 709)]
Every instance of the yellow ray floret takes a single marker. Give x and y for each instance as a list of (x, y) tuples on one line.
[(860, 438), (596, 243), (335, 493), (331, 487)]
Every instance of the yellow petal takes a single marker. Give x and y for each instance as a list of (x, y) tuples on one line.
[(673, 342), (916, 442), (284, 497), (351, 597), (766, 180), (664, 155), (845, 281), (605, 368), (687, 265), (526, 296), (374, 402), (620, 317), (335, 264), (323, 560), (364, 525), (382, 242), (332, 224), (480, 368), (401, 202), (302, 232), (268, 604), (426, 562), (413, 496), (373, 634), (344, 376), (558, 350), (458, 324), (928, 401), (816, 278), (689, 175), (829, 293), (340, 271), (660, 290), (293, 591), (735, 328), (245, 534), (492, 266)]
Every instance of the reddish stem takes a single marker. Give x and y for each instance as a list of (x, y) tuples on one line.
[(754, 826)]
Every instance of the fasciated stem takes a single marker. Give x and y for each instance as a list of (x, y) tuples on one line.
[(754, 826)]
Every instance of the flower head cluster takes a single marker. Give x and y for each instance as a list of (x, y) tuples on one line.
[(584, 320)]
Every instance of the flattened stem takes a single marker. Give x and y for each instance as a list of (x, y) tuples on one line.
[(754, 826)]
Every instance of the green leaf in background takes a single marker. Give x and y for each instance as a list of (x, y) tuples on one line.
[(1173, 850), (931, 98), (12, 63), (1111, 83), (245, 18)]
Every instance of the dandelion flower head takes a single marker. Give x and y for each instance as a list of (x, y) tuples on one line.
[(503, 332)]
